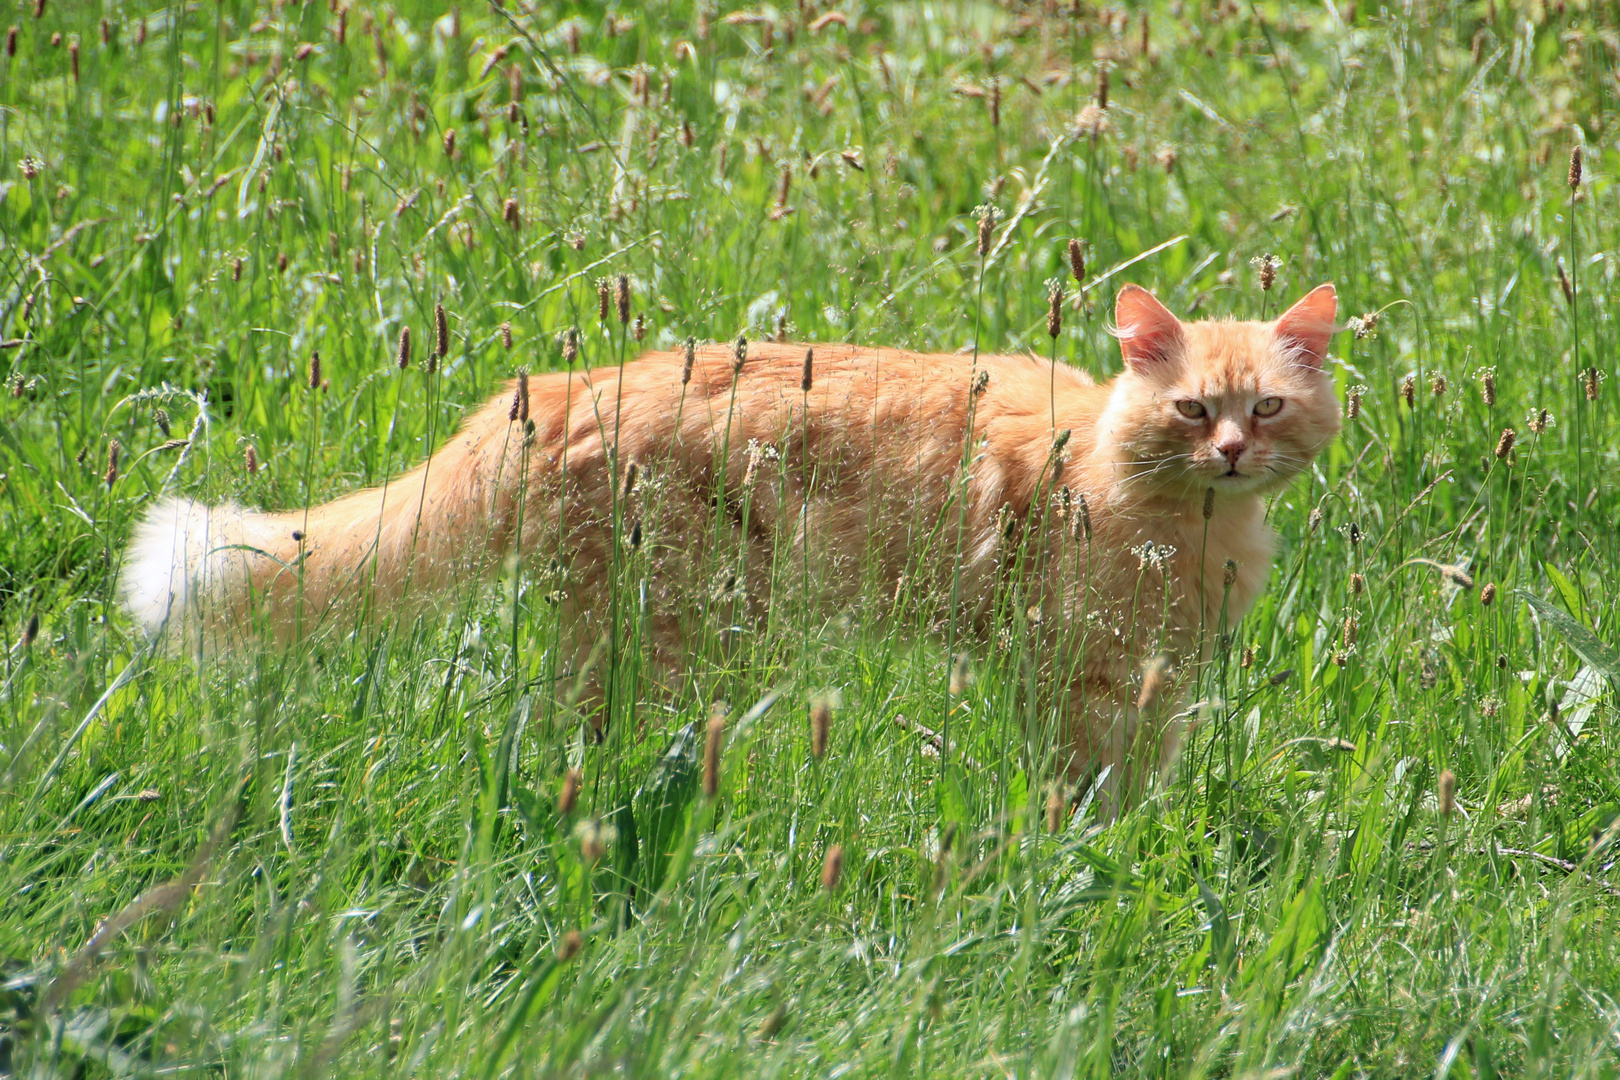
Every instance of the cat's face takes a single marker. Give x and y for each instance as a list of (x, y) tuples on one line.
[(1234, 406)]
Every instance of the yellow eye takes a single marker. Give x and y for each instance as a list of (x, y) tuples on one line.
[(1270, 406), (1192, 410)]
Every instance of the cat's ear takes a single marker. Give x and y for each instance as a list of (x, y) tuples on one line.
[(1308, 325), (1148, 333)]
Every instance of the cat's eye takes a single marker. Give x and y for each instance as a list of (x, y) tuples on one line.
[(1270, 406), (1192, 410)]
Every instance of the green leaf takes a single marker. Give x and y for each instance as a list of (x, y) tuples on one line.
[(1586, 644), (662, 802)]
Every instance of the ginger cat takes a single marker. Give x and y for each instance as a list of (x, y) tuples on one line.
[(731, 482)]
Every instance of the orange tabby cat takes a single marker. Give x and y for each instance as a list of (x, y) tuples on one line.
[(1124, 520)]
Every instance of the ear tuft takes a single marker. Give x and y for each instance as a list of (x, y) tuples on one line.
[(1148, 333), (1308, 325)]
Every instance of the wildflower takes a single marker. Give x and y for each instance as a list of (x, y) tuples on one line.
[(1487, 385), (1266, 267)]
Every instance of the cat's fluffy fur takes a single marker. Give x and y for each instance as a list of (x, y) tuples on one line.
[(726, 520)]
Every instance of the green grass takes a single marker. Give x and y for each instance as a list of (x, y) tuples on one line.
[(374, 876)]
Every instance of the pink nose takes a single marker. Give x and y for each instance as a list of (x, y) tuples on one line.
[(1232, 450)]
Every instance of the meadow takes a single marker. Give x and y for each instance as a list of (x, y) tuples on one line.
[(1388, 847)]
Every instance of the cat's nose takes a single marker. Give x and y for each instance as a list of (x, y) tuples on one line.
[(1232, 449)]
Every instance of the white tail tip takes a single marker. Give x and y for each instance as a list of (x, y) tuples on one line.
[(180, 551)]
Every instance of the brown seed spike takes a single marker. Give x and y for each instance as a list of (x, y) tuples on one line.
[(570, 792), (572, 943), (1077, 261), (1487, 595), (1504, 445), (441, 332), (11, 43), (809, 370), (31, 630), (1209, 504), (711, 752), (1409, 390), (450, 142), (39, 9), (1575, 167), (523, 397), (604, 299), (114, 448), (833, 868), (73, 61), (1054, 308), (402, 355), (621, 298), (994, 101), (689, 347), (1448, 793), (987, 227), (1102, 86), (820, 727), (1591, 382), (740, 352), (506, 335), (251, 459), (1564, 284), (571, 345), (513, 215), (315, 370)]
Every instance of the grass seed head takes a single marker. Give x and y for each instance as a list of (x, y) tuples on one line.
[(1539, 421), (161, 418), (689, 349), (1448, 793), (1575, 167), (604, 299), (1457, 576), (1358, 584), (832, 869), (1101, 95), (711, 751), (441, 332), (450, 142), (30, 632), (1348, 634), (39, 9), (506, 335), (251, 458), (1437, 386), (315, 370), (11, 42), (1209, 504), (114, 448), (821, 714), (1077, 261), (994, 102), (1054, 307), (73, 61), (1590, 382), (1354, 396), (513, 214), (572, 943), (1504, 445), (987, 228), (739, 354), (1564, 284), (1247, 660), (570, 347), (1487, 386), (402, 354), (1266, 268), (807, 378), (621, 298), (638, 329), (961, 674), (1409, 390), (1487, 595), (1229, 573)]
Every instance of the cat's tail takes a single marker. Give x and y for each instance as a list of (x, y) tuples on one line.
[(239, 570)]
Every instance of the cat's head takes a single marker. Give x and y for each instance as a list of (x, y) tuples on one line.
[(1241, 407)]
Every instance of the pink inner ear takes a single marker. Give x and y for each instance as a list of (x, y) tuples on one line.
[(1148, 332), (1309, 323)]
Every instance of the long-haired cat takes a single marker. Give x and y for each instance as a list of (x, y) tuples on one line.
[(1108, 526)]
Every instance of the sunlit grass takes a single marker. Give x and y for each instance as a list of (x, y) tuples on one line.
[(348, 856)]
